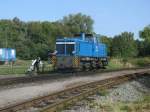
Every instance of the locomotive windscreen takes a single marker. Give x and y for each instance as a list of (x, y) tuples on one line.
[(65, 48), (60, 48), (69, 49)]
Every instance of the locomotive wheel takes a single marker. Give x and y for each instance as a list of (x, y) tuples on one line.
[(83, 67), (92, 66)]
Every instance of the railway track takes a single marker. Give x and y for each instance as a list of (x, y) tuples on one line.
[(59, 100), (55, 75)]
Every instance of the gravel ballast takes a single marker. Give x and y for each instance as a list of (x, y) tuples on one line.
[(110, 101), (24, 92)]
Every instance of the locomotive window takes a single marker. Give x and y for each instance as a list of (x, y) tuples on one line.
[(69, 49), (60, 48)]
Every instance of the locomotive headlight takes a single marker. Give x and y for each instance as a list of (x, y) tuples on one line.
[(73, 52)]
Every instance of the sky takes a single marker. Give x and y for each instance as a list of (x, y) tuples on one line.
[(111, 17)]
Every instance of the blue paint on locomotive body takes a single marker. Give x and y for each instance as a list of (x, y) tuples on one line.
[(82, 46)]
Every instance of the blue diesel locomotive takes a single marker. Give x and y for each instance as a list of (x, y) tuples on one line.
[(80, 52)]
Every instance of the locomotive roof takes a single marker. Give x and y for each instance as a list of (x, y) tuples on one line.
[(86, 35), (69, 39), (76, 38)]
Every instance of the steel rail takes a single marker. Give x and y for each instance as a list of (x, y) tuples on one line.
[(56, 75), (59, 100), (83, 94)]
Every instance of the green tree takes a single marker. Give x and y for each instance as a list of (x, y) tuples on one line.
[(35, 38), (108, 42), (76, 23), (124, 45), (145, 35)]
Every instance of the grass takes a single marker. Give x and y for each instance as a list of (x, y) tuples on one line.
[(114, 64), (117, 63), (142, 105), (140, 62), (5, 70), (102, 92), (20, 66)]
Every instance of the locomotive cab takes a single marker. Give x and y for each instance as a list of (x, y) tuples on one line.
[(65, 53), (65, 48)]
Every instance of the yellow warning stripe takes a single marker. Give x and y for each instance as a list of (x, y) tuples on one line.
[(76, 62), (53, 60)]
